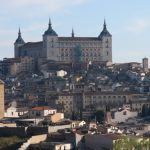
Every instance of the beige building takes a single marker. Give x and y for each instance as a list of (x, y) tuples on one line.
[(14, 68), (99, 100), (18, 65), (89, 102), (2, 110), (23, 64), (67, 49), (57, 117), (27, 64), (138, 105)]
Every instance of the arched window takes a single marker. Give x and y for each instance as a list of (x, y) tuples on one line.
[(107, 53)]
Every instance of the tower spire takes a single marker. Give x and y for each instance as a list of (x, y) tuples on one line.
[(19, 40), (50, 22), (19, 33), (104, 32), (72, 33), (104, 26)]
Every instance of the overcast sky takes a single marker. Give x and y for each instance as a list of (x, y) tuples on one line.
[(127, 20)]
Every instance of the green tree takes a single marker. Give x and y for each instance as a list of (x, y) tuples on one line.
[(117, 145), (77, 53), (145, 110), (99, 116)]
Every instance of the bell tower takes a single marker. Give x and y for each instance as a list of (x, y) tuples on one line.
[(50, 44), (106, 39)]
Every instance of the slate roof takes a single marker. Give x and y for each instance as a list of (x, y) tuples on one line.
[(78, 39), (33, 44)]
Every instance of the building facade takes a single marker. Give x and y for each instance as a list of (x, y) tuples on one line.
[(14, 66), (99, 100), (64, 104), (41, 111), (2, 110), (67, 49), (122, 115)]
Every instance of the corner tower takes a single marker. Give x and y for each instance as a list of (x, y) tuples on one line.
[(19, 42), (106, 39), (50, 44)]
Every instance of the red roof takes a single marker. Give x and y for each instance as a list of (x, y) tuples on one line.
[(40, 108)]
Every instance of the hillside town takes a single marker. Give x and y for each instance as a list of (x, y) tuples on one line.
[(65, 93)]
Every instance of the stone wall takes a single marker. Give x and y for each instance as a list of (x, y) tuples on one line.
[(37, 130), (11, 131), (30, 131)]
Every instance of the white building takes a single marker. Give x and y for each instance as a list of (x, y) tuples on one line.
[(61, 73), (77, 124), (57, 145), (41, 111), (13, 112), (123, 114)]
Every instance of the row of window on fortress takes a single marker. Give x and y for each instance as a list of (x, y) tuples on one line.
[(62, 97), (85, 59), (85, 45), (83, 54), (104, 100), (97, 43), (83, 50)]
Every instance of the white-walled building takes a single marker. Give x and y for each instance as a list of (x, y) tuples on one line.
[(13, 112), (61, 73), (77, 124), (123, 114), (41, 111)]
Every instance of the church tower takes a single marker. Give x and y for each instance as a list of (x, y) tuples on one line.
[(50, 44), (106, 39), (19, 42)]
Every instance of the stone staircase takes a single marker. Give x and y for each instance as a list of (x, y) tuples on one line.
[(33, 140)]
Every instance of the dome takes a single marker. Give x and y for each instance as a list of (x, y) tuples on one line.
[(50, 31)]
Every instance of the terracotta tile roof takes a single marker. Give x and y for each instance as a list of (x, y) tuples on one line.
[(40, 108)]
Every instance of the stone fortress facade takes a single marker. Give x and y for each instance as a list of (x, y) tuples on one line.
[(67, 49)]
